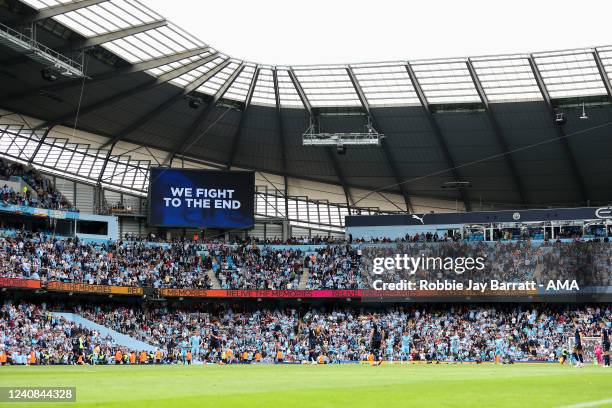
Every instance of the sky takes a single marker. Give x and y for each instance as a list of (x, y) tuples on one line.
[(346, 31)]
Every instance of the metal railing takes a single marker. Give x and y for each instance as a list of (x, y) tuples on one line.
[(24, 44)]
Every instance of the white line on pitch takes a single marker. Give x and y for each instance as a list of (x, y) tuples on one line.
[(589, 404)]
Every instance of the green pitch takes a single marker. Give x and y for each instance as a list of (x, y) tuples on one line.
[(322, 386)]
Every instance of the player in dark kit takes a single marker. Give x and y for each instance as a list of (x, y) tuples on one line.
[(312, 345), (377, 338), (578, 346), (214, 349), (605, 342)]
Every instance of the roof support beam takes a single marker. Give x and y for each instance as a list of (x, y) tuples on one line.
[(602, 72), (139, 67), (105, 164), (499, 135), (438, 134), (114, 35), (156, 62), (56, 11), (39, 145), (279, 119), (300, 91), (350, 202), (193, 134), (385, 148), (281, 137), (96, 40), (238, 133), (569, 155), (159, 109), (162, 79)]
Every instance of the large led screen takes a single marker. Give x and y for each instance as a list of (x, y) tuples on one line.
[(201, 198)]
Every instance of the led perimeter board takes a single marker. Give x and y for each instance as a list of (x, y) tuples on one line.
[(194, 198)]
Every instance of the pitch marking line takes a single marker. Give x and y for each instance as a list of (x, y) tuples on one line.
[(589, 404)]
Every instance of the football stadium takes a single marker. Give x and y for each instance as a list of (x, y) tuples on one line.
[(183, 227)]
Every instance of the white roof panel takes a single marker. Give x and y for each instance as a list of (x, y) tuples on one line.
[(569, 74), (287, 93), (215, 83), (153, 44), (239, 89), (263, 93), (507, 79), (446, 82), (504, 78), (157, 71), (605, 54), (327, 86), (194, 74), (386, 84)]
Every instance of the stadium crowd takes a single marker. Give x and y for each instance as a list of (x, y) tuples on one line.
[(39, 256), (224, 334), (254, 267), (335, 267), (196, 264), (46, 195), (30, 334)]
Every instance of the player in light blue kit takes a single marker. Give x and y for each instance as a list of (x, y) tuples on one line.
[(406, 340), (499, 349), (184, 345), (454, 346), (196, 341), (390, 343)]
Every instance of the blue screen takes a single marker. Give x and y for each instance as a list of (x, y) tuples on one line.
[(201, 198)]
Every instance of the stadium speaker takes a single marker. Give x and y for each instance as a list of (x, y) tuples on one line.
[(48, 75), (195, 103), (341, 149), (560, 118)]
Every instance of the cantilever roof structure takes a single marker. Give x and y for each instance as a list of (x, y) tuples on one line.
[(486, 120)]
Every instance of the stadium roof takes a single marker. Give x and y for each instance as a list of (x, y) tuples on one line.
[(484, 120)]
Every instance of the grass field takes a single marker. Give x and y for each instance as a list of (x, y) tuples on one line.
[(322, 386)]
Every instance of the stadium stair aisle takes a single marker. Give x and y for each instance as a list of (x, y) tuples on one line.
[(119, 338), (213, 279), (304, 279)]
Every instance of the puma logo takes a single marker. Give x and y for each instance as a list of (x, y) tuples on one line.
[(416, 217)]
